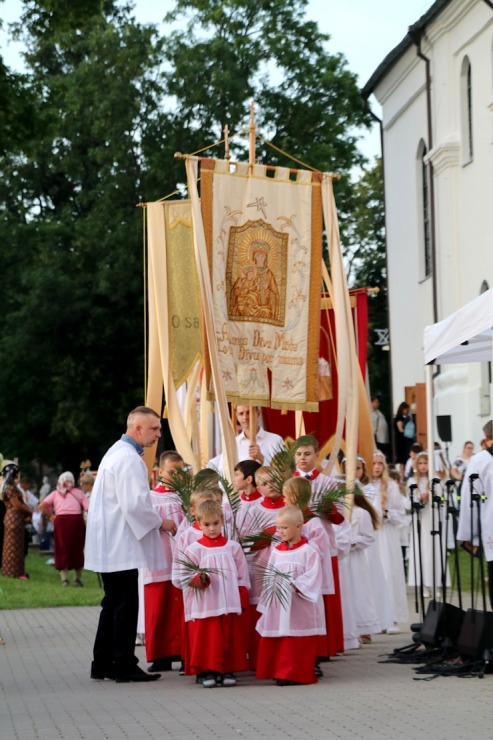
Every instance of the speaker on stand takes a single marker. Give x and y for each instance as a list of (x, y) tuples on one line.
[(444, 427)]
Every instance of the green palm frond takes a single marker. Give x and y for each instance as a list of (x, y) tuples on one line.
[(185, 483), (256, 533), (324, 502), (276, 584), (282, 466), (189, 570), (232, 495)]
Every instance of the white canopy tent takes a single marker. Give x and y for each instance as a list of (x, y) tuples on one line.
[(464, 336)]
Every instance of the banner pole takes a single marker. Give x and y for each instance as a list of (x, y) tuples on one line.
[(251, 162)]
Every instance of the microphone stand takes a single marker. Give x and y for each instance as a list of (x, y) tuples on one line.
[(415, 512), (437, 502), (453, 511)]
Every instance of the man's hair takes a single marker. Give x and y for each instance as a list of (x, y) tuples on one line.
[(209, 508), (248, 467), (307, 440), (291, 513), (141, 410), (488, 429), (171, 455), (416, 447)]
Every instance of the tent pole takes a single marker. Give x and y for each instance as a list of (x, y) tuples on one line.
[(430, 417)]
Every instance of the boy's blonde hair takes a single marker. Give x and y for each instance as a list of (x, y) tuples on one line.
[(300, 489), (264, 473), (290, 513), (201, 494), (88, 479), (209, 508)]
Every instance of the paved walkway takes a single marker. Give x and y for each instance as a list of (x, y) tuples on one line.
[(46, 694)]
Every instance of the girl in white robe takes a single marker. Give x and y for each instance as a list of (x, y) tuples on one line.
[(382, 597), (364, 523), (391, 506), (422, 495)]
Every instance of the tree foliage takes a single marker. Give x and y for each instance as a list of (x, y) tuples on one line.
[(89, 131)]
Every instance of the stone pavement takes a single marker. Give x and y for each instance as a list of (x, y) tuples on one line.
[(46, 693)]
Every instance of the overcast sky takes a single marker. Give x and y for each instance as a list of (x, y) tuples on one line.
[(363, 30)]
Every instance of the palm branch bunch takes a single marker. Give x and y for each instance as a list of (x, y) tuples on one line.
[(276, 584), (234, 503), (193, 576), (184, 483), (282, 465), (260, 533), (325, 501)]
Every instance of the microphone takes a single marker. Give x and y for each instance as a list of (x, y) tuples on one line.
[(435, 481), (473, 476), (413, 486), (450, 483)]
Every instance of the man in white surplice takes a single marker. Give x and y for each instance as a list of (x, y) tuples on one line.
[(262, 450), (479, 477), (123, 536)]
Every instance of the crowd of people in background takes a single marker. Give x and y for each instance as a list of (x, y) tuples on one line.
[(54, 520), (304, 581)]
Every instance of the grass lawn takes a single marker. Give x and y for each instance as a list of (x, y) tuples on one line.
[(44, 588), (465, 574)]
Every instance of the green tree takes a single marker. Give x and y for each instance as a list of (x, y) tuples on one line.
[(228, 52), (102, 108), (72, 340)]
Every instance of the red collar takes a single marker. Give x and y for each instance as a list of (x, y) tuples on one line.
[(286, 546), (253, 496), (218, 542), (162, 488), (309, 476), (272, 503), (195, 525)]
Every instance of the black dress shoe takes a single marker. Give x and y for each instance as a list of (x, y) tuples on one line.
[(136, 676), (99, 673), (285, 682)]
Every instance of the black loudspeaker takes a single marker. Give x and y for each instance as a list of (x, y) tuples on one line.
[(444, 426), (442, 622), (476, 634)]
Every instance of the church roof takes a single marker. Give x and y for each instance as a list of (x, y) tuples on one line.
[(397, 52)]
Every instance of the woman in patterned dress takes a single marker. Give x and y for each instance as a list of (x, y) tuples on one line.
[(16, 515)]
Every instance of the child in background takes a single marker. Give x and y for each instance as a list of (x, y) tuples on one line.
[(377, 580), (391, 507), (289, 628), (364, 522), (244, 483), (215, 595), (259, 522), (422, 494), (306, 458), (163, 605)]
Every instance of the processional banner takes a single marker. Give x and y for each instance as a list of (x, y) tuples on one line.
[(263, 231)]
